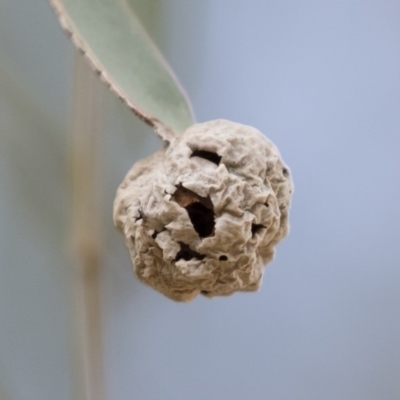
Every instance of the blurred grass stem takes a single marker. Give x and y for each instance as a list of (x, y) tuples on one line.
[(87, 368)]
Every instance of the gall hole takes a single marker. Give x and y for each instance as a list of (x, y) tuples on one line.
[(256, 228), (285, 172), (208, 155), (140, 216), (200, 210), (201, 218), (186, 253), (223, 258)]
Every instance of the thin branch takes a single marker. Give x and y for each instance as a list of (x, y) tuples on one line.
[(88, 365)]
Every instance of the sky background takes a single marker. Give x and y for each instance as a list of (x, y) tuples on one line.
[(321, 80)]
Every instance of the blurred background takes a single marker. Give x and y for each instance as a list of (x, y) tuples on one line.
[(321, 79)]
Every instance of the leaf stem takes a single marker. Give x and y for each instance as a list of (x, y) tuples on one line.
[(88, 368)]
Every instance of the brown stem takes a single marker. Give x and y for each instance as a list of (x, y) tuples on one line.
[(88, 368)]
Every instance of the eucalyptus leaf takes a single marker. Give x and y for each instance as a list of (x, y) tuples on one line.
[(111, 37)]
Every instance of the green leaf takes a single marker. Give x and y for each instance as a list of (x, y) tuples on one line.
[(111, 37)]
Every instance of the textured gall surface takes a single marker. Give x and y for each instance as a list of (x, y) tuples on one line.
[(203, 215)]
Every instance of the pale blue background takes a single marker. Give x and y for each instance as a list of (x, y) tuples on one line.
[(322, 80)]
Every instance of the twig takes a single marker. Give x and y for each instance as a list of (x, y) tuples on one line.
[(88, 368)]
